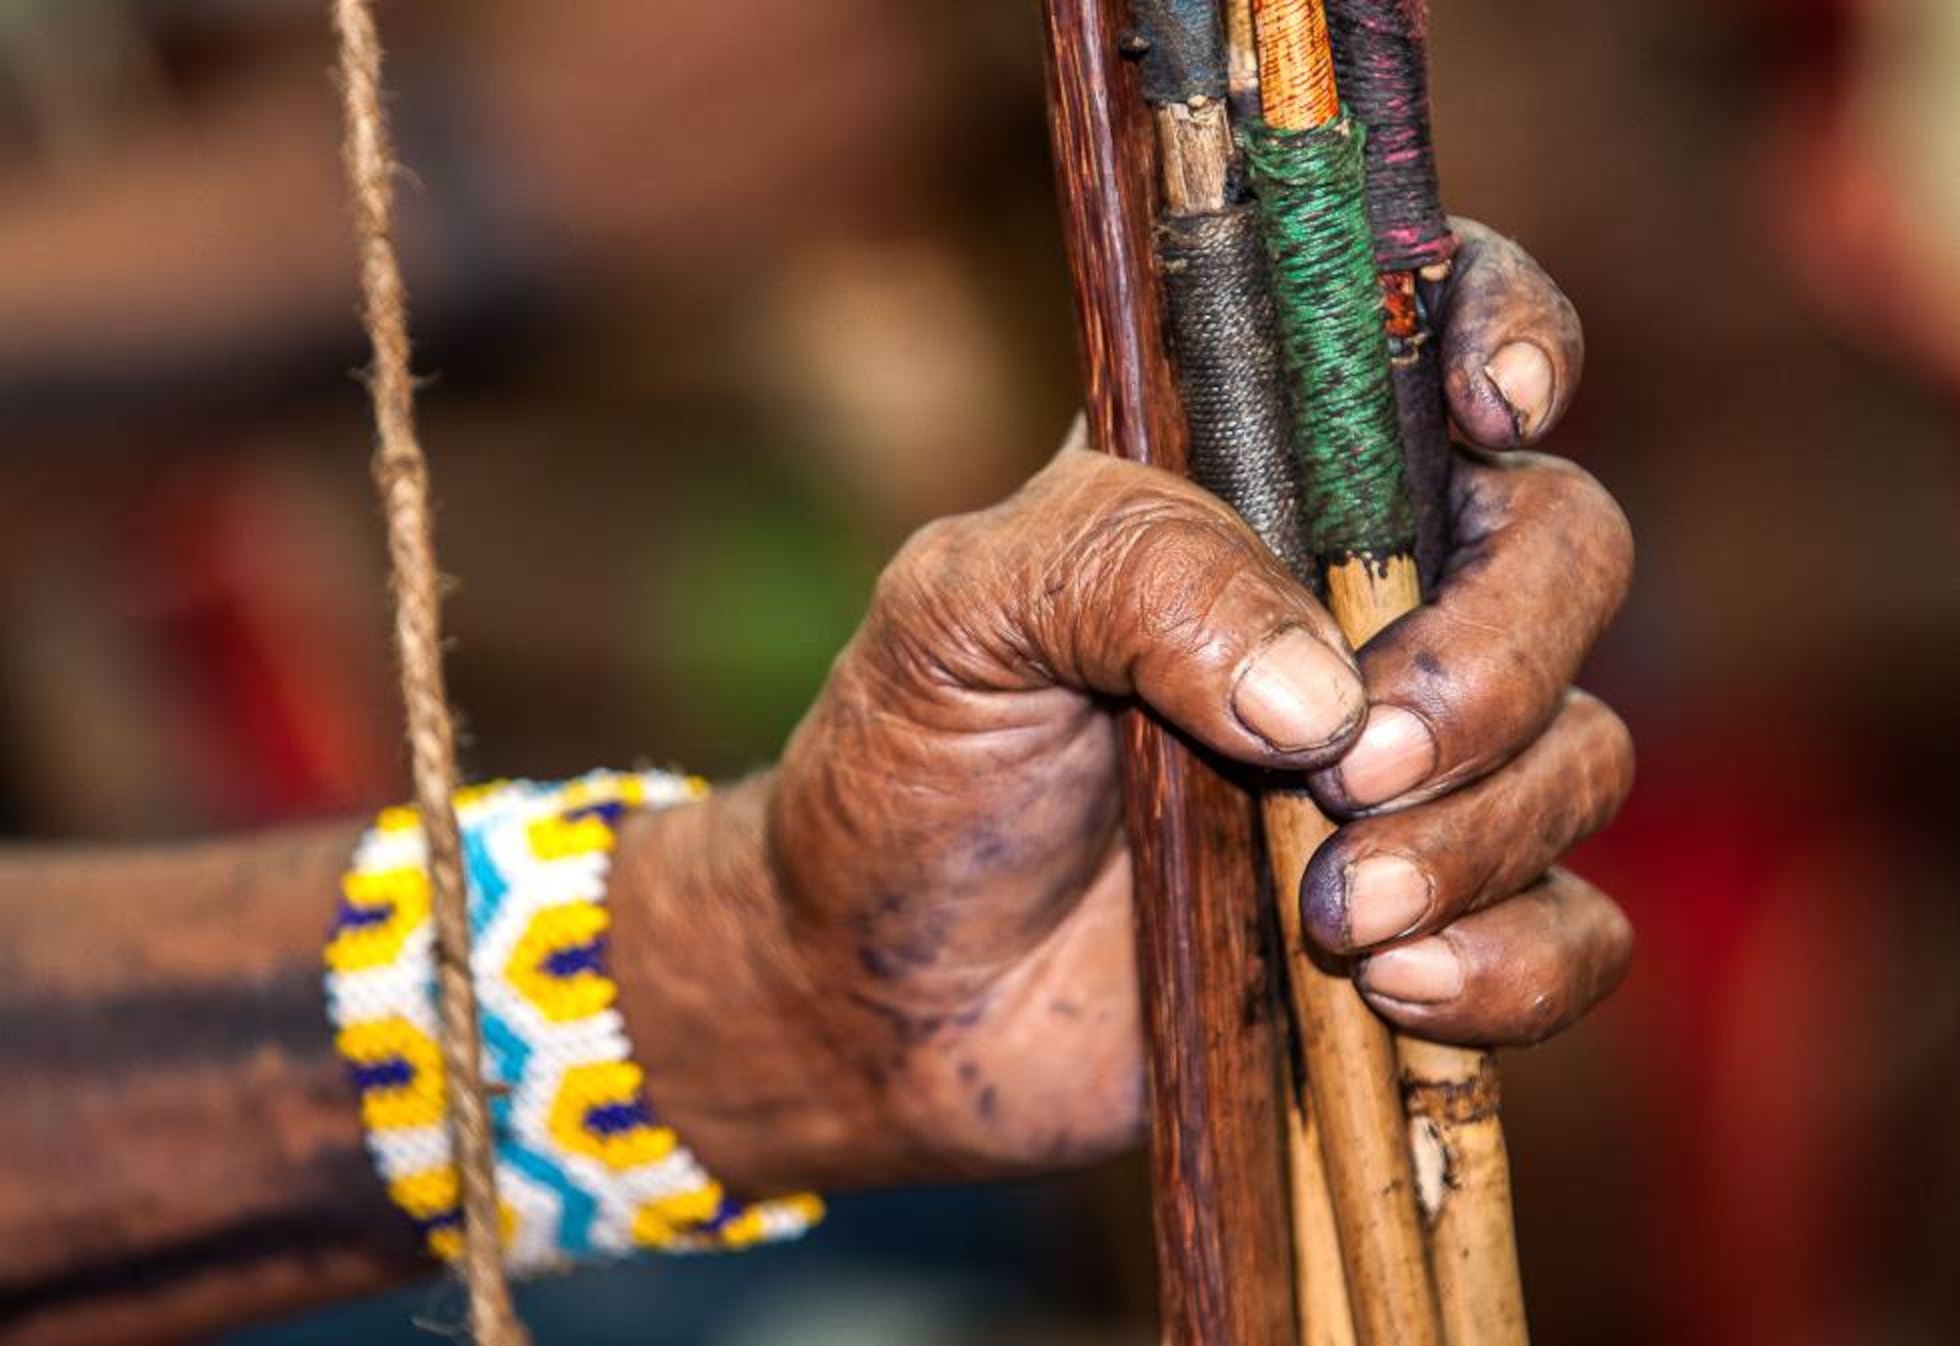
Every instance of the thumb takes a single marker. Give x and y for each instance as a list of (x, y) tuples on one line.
[(1120, 580)]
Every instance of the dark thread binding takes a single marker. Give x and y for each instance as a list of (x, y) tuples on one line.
[(1381, 63), (1180, 47), (1227, 345), (1428, 458)]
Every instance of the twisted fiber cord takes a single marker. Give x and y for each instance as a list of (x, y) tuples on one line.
[(401, 476), (1347, 434)]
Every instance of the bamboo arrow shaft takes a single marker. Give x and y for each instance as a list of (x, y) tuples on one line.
[(1380, 50), (1195, 161), (1352, 1067)]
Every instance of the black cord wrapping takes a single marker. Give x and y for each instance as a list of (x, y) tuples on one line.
[(1227, 345), (1427, 456), (1381, 60), (1180, 45)]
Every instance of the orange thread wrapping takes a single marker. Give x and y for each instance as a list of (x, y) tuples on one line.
[(1296, 64)]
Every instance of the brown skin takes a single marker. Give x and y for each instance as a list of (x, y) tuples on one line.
[(905, 952), (179, 1149), (1496, 297)]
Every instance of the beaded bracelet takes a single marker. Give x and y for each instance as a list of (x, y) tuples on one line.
[(584, 1169)]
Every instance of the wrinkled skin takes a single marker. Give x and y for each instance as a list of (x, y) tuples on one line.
[(906, 952), (945, 826)]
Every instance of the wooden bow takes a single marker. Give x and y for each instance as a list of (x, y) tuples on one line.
[(1258, 1241)]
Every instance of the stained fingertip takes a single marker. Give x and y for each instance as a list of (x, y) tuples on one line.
[(1478, 408), (1324, 899), (1350, 905)]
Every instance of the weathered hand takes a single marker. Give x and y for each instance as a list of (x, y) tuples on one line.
[(944, 832)]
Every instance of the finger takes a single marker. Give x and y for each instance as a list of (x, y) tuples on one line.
[(1122, 580), (1400, 875), (1460, 685), (1513, 348), (1513, 974)]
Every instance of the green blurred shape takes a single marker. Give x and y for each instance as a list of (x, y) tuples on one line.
[(765, 581)]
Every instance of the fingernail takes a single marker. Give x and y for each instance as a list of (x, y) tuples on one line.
[(1523, 375), (1427, 972), (1386, 896), (1298, 694), (1394, 755)]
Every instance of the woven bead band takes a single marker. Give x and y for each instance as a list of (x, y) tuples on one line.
[(584, 1169)]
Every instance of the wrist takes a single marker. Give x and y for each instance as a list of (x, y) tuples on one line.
[(724, 1014)]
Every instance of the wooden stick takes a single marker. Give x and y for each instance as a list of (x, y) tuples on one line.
[(1352, 1069), (1296, 64), (1217, 1135), (1242, 58), (1356, 1107), (1451, 1093), (1195, 154), (1319, 1277), (1463, 1176)]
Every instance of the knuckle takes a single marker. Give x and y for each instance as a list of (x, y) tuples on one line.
[(1544, 1000), (1617, 751), (920, 625), (1539, 968), (1166, 557), (1540, 1019), (1579, 955), (1573, 331), (1618, 936), (927, 562), (1610, 935), (1600, 535), (1614, 545), (1608, 748), (1576, 522)]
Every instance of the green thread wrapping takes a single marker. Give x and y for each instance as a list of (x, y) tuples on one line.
[(1311, 187)]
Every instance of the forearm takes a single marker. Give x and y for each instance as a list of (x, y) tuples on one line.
[(180, 1149)]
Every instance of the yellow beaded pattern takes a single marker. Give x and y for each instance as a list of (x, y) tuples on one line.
[(584, 1168)]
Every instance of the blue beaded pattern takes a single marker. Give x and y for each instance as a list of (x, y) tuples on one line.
[(585, 1170)]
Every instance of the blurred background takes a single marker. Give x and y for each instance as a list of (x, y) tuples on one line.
[(719, 300)]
